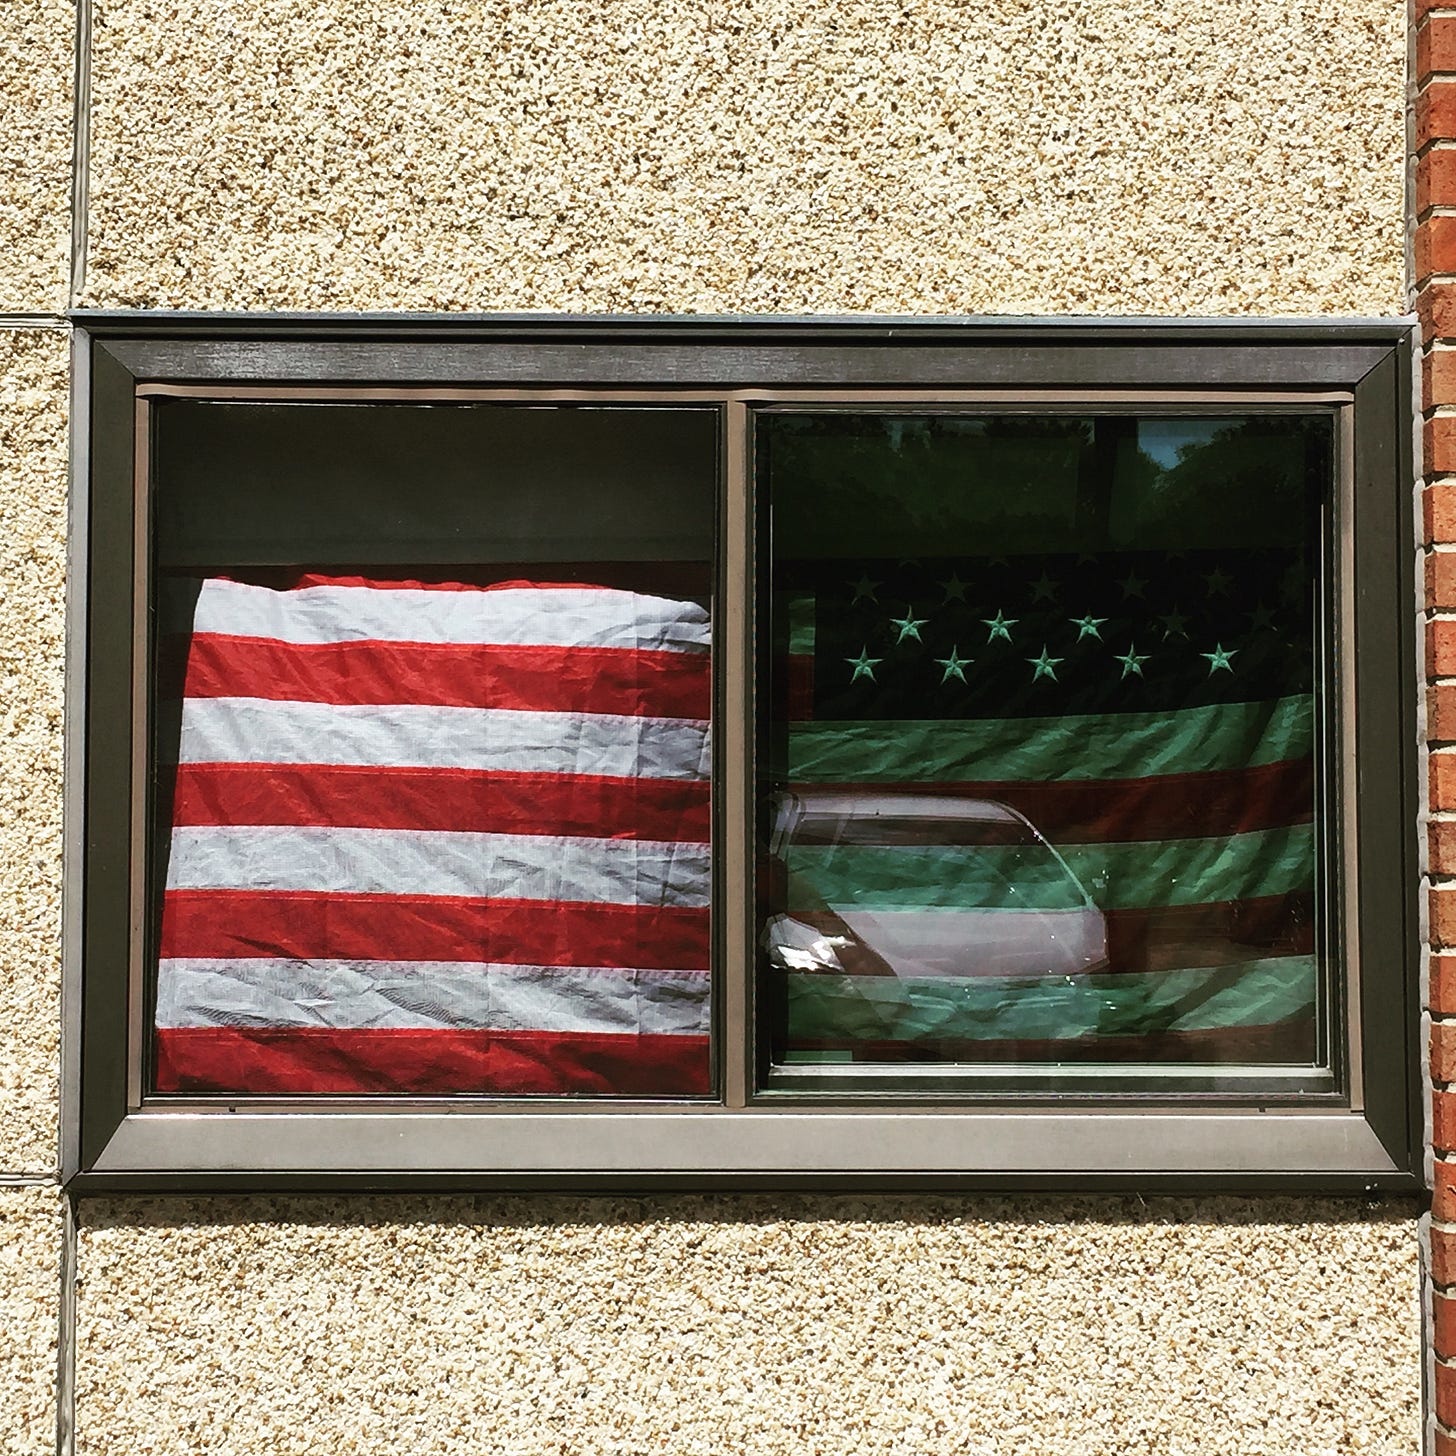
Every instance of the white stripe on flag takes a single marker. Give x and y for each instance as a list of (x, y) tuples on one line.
[(347, 995), (260, 730), (433, 862), (508, 616)]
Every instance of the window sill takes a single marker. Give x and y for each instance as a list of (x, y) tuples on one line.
[(503, 1148)]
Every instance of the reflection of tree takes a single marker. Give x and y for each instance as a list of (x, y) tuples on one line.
[(1250, 483), (915, 485)]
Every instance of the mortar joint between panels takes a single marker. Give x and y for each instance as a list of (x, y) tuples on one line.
[(42, 320)]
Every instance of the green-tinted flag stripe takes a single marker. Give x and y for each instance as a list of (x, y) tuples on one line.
[(1196, 871), (1119, 876), (875, 1008), (1051, 750), (963, 878), (801, 626)]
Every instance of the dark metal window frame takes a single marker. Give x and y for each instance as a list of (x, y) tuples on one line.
[(1366, 1136)]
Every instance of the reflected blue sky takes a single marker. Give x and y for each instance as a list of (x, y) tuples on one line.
[(1162, 440)]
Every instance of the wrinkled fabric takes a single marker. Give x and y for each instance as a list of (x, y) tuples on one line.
[(434, 838)]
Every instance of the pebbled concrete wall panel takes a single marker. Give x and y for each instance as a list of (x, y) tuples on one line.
[(30, 1293), (37, 61), (750, 156), (33, 414), (829, 1325)]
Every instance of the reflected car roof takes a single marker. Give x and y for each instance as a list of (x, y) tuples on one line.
[(836, 804)]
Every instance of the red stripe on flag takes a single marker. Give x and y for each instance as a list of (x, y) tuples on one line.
[(799, 689), (1291, 1041), (1162, 806), (343, 796), (1169, 937), (647, 682), (229, 924), (278, 1061), (651, 578)]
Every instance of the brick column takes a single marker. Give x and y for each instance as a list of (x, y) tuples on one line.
[(1434, 139)]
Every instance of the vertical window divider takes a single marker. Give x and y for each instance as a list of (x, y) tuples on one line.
[(140, 726), (735, 779), (1346, 774)]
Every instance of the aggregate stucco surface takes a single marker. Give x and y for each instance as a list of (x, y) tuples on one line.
[(748, 156), (30, 1244), (37, 63), (788, 1325), (33, 409), (655, 155)]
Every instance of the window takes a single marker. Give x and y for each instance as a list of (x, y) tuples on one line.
[(431, 788), (625, 754), (1041, 761)]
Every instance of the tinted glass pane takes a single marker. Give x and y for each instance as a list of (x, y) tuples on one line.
[(432, 483), (1041, 752), (432, 752)]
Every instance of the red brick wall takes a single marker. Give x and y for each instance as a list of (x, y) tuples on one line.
[(1435, 276)]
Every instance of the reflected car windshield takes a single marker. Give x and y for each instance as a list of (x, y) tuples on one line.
[(914, 863)]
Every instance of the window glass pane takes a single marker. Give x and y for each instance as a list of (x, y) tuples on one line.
[(1041, 775), (431, 791), (432, 483)]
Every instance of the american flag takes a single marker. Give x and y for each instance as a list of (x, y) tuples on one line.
[(433, 837), (1150, 713)]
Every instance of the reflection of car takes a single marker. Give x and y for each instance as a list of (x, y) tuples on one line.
[(905, 884)]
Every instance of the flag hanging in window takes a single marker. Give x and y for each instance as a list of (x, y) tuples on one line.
[(1046, 807), (432, 837)]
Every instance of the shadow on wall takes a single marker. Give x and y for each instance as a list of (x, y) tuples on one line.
[(520, 1211)]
